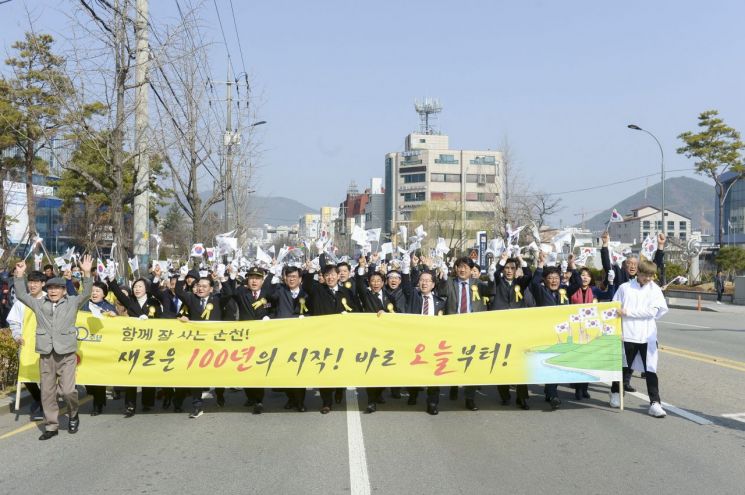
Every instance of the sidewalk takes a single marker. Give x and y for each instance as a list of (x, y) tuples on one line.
[(680, 303), (7, 402)]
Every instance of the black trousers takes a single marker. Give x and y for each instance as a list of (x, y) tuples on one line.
[(468, 391), (631, 349), (327, 395), (148, 396), (296, 395), (254, 394), (551, 390), (520, 390), (433, 394), (98, 392), (33, 389)]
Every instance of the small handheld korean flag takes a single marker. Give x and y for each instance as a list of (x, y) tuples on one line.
[(197, 249), (615, 217), (134, 264), (649, 247), (100, 268)]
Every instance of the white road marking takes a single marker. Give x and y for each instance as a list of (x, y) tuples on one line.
[(674, 409), (359, 481), (736, 416), (685, 324)]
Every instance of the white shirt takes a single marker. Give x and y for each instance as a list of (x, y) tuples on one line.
[(643, 305)]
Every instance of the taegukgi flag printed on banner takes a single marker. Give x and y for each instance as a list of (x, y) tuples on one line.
[(536, 345)]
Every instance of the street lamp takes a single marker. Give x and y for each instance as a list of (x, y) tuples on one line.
[(662, 173)]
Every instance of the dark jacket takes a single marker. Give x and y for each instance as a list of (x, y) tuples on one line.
[(151, 307), (326, 301), (545, 297), (621, 277), (250, 308), (450, 290), (415, 304), (193, 304)]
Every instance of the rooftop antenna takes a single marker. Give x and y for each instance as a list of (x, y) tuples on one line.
[(428, 108)]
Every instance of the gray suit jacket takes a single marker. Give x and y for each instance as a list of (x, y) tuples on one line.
[(55, 326), (450, 289)]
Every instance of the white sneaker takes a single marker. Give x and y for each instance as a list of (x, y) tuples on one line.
[(615, 400), (719, 302), (655, 409)]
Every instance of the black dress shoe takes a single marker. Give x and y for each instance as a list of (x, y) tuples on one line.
[(555, 403), (147, 408), (628, 388), (301, 408), (258, 408), (585, 394), (249, 403), (578, 394), (178, 409), (74, 424), (412, 400), (325, 409), (220, 401), (371, 408), (48, 434), (471, 405), (338, 395), (166, 403), (453, 393), (432, 409), (291, 404), (522, 404), (129, 412), (97, 409)]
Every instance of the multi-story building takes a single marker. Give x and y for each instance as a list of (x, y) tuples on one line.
[(428, 172), (646, 220), (308, 226), (733, 222), (328, 215), (366, 210)]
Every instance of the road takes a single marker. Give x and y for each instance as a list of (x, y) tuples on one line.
[(585, 447)]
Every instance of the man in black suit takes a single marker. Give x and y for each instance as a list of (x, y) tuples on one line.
[(202, 305), (253, 300), (291, 301), (424, 302), (509, 292), (329, 298), (464, 295)]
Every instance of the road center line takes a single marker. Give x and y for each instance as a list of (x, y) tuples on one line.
[(685, 324), (704, 358), (674, 409), (359, 481)]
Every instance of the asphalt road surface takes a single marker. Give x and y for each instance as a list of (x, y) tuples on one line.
[(584, 447)]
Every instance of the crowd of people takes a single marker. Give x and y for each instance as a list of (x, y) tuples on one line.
[(410, 284)]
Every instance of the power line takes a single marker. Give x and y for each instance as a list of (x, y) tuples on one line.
[(237, 37), (227, 47)]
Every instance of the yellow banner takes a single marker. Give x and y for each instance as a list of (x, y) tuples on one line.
[(562, 344)]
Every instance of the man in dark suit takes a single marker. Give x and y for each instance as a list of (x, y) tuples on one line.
[(511, 292), (424, 302), (254, 303), (547, 290), (329, 298), (464, 295), (202, 305), (291, 301)]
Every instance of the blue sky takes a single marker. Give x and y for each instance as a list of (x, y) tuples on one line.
[(336, 81)]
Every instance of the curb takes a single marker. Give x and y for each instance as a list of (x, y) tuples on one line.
[(7, 404), (692, 308)]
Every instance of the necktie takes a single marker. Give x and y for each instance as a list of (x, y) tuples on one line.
[(380, 296), (463, 298), (425, 305), (256, 295), (204, 303)]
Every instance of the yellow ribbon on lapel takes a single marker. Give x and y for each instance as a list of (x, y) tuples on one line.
[(303, 307), (207, 311), (563, 299), (348, 284), (390, 308), (486, 301), (518, 294), (475, 293), (261, 302), (344, 303), (151, 312)]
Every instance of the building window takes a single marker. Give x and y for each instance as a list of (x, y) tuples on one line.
[(408, 162), (484, 160), (422, 140), (645, 224), (444, 177), (445, 196), (658, 225), (480, 178), (415, 196), (411, 178), (682, 236), (409, 170), (480, 215), (682, 226), (447, 159), (645, 235), (670, 225)]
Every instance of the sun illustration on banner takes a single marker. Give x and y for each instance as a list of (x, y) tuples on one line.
[(587, 348)]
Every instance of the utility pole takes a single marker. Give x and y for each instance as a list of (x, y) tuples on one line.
[(229, 139), (142, 165)]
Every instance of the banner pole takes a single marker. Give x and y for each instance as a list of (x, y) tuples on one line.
[(622, 394)]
